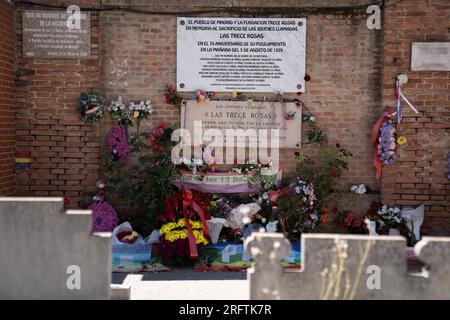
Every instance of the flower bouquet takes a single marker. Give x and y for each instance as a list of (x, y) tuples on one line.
[(119, 111), (184, 226), (160, 138), (295, 209)]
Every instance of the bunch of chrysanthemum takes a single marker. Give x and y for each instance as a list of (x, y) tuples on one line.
[(174, 234), (117, 142), (386, 143), (104, 217)]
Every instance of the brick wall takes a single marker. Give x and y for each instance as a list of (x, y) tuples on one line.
[(65, 150), (6, 99), (420, 174), (133, 55), (343, 60)]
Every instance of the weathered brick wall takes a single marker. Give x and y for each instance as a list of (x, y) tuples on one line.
[(352, 79), (64, 149), (343, 60), (6, 99), (420, 174)]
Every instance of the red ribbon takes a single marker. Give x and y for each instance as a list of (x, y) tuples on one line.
[(375, 137), (188, 202)]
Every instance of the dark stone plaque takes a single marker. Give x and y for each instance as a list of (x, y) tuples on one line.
[(46, 35)]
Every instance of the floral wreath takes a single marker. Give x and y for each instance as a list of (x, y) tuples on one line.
[(90, 106)]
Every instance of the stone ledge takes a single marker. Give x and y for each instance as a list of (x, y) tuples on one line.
[(208, 4)]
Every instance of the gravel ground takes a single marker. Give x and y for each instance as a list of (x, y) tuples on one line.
[(186, 284)]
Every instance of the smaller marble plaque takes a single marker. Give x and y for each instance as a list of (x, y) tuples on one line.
[(46, 35), (430, 56), (243, 115)]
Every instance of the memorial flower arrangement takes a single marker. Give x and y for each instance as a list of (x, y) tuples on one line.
[(104, 217), (184, 224), (358, 189), (351, 222), (117, 143), (386, 143), (119, 112), (160, 138), (90, 107), (296, 212), (388, 218), (324, 172), (140, 109), (172, 97), (202, 95)]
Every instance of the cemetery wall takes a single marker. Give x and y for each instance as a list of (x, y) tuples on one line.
[(7, 144), (420, 174), (352, 73)]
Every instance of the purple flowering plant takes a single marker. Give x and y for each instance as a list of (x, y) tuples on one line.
[(104, 217), (387, 146), (117, 142)]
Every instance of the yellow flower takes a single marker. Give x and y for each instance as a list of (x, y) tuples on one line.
[(401, 140), (136, 114), (234, 94)]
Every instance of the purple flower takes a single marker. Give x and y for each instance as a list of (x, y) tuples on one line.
[(104, 217), (117, 142)]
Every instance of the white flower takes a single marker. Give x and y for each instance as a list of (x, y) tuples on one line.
[(265, 196), (312, 118)]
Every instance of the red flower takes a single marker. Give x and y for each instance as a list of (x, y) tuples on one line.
[(67, 201), (349, 217), (163, 125), (160, 132), (299, 93), (297, 153), (333, 173), (307, 77), (171, 215), (152, 138), (274, 195), (357, 223), (161, 217)]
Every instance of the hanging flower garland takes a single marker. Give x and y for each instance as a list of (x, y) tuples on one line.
[(90, 107), (383, 139), (386, 143), (117, 142)]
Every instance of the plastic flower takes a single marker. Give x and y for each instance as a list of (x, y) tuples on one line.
[(401, 140)]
